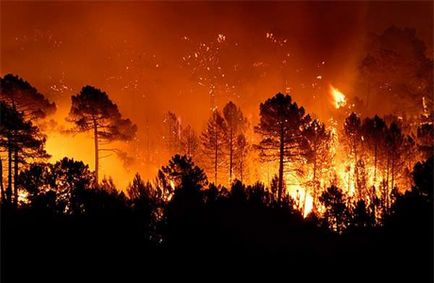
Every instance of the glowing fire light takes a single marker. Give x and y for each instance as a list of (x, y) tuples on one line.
[(338, 96), (172, 184)]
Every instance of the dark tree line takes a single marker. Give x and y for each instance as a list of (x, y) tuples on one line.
[(183, 217), (245, 225)]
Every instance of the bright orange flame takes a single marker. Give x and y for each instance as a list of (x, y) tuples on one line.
[(172, 184), (338, 96)]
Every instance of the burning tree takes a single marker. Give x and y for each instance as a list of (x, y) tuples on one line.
[(182, 173), (353, 142), (172, 132), (236, 125), (21, 140), (214, 140), (317, 153), (92, 110), (281, 123), (241, 155), (374, 131), (189, 141)]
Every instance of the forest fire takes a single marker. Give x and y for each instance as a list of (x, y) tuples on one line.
[(235, 132), (338, 96)]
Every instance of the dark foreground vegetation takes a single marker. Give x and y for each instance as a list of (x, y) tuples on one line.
[(69, 229)]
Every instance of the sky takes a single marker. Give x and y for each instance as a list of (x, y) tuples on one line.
[(152, 57)]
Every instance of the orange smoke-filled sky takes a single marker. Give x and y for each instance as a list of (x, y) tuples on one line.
[(138, 52)]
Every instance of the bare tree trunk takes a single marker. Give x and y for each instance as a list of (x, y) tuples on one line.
[(15, 176), (215, 157), (387, 183), (9, 188), (231, 153), (356, 172), (95, 135), (315, 192), (392, 174), (241, 168), (2, 190), (375, 163), (281, 153)]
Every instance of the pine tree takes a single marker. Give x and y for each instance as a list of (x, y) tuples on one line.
[(236, 125), (172, 133), (92, 110), (18, 93), (189, 141), (21, 96), (317, 141), (21, 140), (374, 131), (242, 150), (213, 141), (353, 142), (281, 124)]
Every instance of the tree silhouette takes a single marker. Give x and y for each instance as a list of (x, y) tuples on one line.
[(21, 140), (353, 142), (172, 133), (213, 141), (2, 189), (184, 208), (361, 217), (145, 203), (400, 148), (374, 131), (240, 157), (184, 173), (59, 187), (425, 137), (92, 110), (317, 144), (281, 121), (236, 124), (336, 212), (21, 96), (18, 93), (189, 141)]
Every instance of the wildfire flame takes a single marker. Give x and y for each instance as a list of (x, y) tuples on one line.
[(338, 96)]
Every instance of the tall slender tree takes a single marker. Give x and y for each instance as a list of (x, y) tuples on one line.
[(236, 125), (189, 141), (172, 133), (318, 155), (92, 110), (21, 140), (374, 131), (213, 141), (281, 123), (241, 156), (20, 95), (353, 141)]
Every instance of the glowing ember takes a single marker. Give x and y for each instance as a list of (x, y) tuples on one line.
[(338, 96)]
